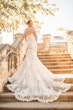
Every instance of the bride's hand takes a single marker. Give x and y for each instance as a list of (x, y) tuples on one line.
[(36, 40), (26, 40)]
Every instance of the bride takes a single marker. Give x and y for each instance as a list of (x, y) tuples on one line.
[(33, 81)]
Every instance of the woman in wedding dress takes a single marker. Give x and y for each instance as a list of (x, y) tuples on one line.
[(32, 80)]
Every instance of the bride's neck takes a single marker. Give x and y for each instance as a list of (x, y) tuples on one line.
[(30, 26)]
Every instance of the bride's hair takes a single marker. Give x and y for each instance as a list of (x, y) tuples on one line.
[(29, 21)]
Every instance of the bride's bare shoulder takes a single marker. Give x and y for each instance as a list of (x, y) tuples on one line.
[(29, 29)]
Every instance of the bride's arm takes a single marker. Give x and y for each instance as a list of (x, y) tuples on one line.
[(35, 34), (25, 35)]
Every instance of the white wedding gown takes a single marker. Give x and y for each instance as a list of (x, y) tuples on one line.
[(33, 81)]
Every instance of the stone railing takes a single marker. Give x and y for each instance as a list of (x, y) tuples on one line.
[(60, 48), (11, 57), (70, 43)]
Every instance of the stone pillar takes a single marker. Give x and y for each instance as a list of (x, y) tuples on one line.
[(70, 43), (9, 62), (46, 42)]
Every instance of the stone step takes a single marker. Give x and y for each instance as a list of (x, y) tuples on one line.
[(56, 60), (9, 97), (68, 80), (62, 71), (59, 66), (57, 63), (36, 106), (53, 57), (51, 54), (45, 53), (68, 77)]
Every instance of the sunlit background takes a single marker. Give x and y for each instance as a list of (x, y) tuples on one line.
[(63, 19)]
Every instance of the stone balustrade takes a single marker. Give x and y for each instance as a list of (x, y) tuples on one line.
[(11, 57), (60, 48), (70, 43)]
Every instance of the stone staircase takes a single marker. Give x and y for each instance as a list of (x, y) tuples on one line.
[(61, 65), (57, 63)]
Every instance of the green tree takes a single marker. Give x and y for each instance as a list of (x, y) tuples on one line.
[(15, 12)]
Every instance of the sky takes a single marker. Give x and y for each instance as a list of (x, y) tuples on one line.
[(63, 17), (65, 13)]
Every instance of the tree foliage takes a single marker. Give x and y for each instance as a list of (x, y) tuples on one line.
[(15, 12)]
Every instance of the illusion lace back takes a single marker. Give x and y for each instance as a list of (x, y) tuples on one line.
[(33, 81)]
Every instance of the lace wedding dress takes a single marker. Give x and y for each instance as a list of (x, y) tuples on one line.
[(33, 81)]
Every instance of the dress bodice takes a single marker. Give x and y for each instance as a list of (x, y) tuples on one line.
[(31, 43)]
